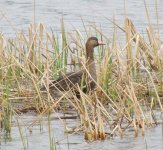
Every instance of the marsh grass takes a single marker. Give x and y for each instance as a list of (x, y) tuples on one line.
[(129, 84)]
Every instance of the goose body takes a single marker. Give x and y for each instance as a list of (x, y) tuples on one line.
[(69, 81)]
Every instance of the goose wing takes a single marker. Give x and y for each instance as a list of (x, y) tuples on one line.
[(67, 81)]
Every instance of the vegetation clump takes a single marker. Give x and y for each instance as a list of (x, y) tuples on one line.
[(129, 79)]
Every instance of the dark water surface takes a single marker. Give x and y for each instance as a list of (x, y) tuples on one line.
[(16, 15)]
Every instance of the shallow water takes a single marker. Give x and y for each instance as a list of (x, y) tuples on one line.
[(16, 15), (39, 139)]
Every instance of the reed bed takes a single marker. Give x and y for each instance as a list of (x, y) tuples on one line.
[(129, 84)]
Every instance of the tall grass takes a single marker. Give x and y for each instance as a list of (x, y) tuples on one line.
[(129, 83)]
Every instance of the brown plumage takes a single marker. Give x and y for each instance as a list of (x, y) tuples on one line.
[(69, 81)]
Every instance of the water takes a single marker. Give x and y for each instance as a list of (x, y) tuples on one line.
[(16, 15), (39, 139)]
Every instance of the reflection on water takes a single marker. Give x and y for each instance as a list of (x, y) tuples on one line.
[(153, 139), (16, 15)]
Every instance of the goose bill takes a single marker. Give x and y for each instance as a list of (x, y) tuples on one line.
[(101, 43)]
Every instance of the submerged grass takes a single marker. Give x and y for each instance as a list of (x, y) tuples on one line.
[(129, 84)]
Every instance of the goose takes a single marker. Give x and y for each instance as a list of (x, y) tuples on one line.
[(70, 80)]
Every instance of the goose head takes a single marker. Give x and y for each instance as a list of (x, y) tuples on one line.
[(91, 43)]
